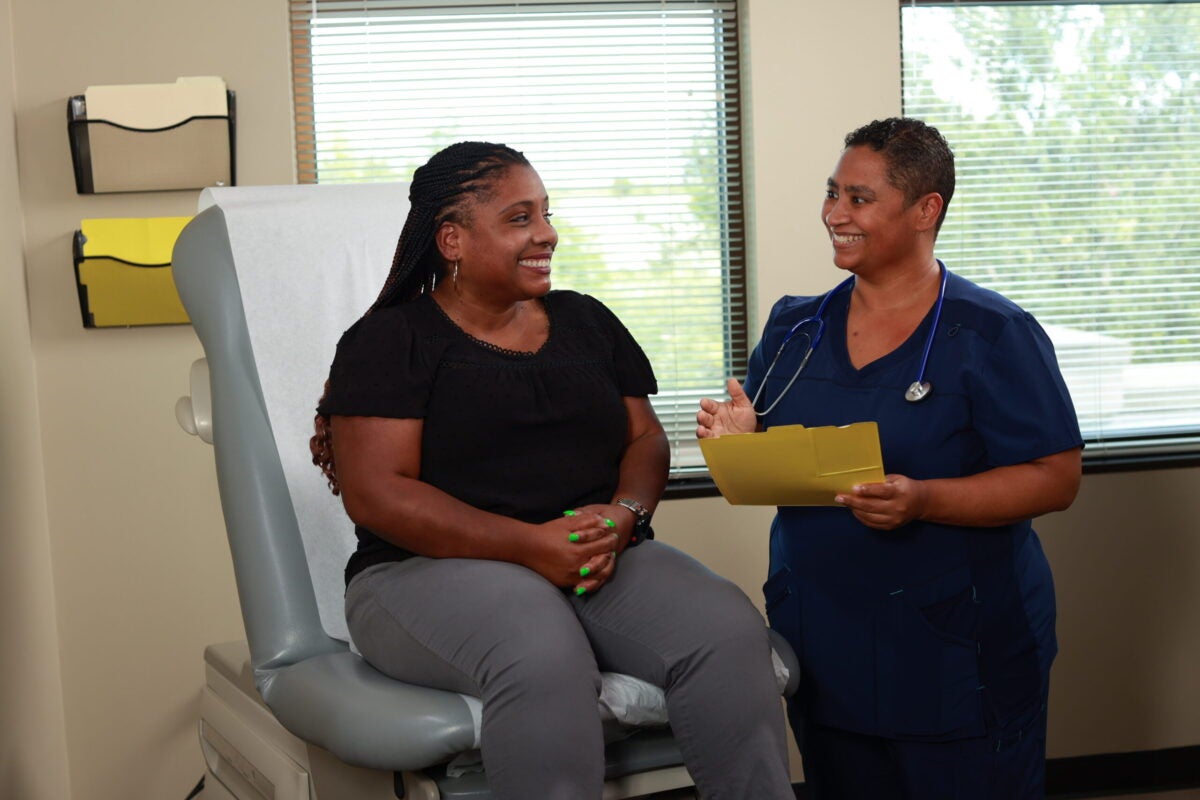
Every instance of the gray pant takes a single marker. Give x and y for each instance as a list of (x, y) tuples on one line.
[(533, 654)]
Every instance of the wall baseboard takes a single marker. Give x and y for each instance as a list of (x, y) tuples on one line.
[(1113, 773)]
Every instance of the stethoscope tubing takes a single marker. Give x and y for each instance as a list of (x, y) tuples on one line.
[(815, 338), (919, 389)]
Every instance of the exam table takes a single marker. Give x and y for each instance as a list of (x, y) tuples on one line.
[(270, 277)]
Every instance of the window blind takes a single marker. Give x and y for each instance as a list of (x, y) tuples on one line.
[(1076, 132), (628, 110)]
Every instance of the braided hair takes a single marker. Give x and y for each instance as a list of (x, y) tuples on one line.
[(442, 190)]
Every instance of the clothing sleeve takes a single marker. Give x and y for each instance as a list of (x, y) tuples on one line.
[(1021, 405), (379, 370), (756, 367), (635, 375)]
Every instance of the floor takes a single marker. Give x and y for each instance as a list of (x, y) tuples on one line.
[(1185, 794)]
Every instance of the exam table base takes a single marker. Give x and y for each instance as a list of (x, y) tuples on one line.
[(249, 755)]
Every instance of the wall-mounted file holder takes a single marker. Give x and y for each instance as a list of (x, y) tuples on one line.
[(123, 272), (153, 137)]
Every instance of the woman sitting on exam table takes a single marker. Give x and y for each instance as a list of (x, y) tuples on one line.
[(494, 443), (922, 608)]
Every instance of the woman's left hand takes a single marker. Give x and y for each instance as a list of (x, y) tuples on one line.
[(888, 505), (602, 567), (998, 496)]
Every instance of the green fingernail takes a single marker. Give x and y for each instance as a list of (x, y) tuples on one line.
[(568, 513), (574, 537), (580, 590), (584, 572), (610, 523)]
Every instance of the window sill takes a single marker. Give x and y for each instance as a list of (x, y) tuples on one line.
[(701, 485)]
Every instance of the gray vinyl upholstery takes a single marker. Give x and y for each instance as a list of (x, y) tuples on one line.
[(317, 688)]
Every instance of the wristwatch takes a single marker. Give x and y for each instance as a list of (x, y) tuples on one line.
[(641, 525)]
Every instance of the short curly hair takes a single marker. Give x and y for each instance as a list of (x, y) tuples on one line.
[(918, 157)]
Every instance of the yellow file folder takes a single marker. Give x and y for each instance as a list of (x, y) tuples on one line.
[(123, 272), (792, 465)]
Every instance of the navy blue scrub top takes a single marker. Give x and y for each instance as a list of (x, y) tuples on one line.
[(927, 632)]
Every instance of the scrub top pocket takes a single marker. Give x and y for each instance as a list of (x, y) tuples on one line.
[(927, 660), (783, 613)]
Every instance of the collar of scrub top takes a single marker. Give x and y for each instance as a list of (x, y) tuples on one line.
[(917, 391)]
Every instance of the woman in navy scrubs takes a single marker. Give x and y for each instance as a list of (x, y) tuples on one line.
[(922, 607)]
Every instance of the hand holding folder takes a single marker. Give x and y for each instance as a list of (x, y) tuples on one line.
[(791, 465)]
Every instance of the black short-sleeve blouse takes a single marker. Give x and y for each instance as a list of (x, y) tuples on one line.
[(525, 435)]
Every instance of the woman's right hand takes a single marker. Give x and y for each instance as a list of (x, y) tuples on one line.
[(558, 558), (735, 415)]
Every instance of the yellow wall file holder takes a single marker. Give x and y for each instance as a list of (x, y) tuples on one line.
[(123, 271), (153, 136), (791, 465)]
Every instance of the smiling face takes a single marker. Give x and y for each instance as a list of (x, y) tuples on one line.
[(870, 222), (505, 241)]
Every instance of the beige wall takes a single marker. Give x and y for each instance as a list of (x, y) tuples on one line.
[(33, 747), (141, 572), (114, 569), (1126, 561)]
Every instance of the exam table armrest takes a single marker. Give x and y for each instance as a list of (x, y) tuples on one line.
[(340, 703)]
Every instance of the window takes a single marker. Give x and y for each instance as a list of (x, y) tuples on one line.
[(629, 111), (1076, 131)]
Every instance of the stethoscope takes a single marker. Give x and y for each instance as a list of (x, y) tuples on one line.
[(916, 392)]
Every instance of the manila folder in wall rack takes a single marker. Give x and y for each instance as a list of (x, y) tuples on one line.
[(791, 465)]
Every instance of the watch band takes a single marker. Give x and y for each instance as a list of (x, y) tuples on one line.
[(641, 525)]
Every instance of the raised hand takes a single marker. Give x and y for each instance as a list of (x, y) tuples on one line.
[(735, 415)]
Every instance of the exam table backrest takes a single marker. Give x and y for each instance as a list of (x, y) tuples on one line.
[(286, 270), (270, 277)]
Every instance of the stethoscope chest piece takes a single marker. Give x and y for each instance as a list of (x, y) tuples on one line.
[(918, 391)]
